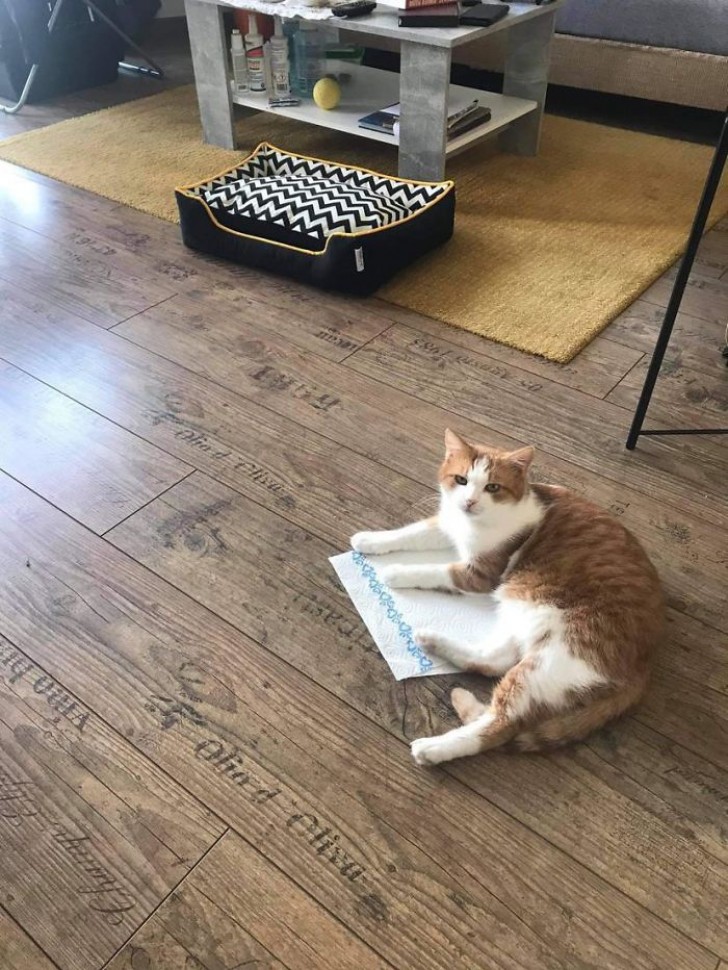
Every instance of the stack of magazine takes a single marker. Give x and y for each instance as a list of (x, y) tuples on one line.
[(460, 118)]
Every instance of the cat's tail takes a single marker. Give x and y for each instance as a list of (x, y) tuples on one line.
[(579, 722)]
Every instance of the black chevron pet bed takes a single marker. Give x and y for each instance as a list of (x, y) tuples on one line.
[(334, 226)]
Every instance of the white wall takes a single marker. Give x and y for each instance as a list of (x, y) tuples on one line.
[(172, 8)]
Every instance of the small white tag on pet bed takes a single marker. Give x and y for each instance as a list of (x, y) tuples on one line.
[(359, 258), (392, 616)]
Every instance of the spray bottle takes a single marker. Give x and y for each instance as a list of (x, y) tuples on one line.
[(280, 67), (240, 67), (254, 56)]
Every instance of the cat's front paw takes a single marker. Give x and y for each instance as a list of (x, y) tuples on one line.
[(398, 577), (416, 577), (369, 543)]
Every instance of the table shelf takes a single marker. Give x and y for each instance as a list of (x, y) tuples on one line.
[(371, 89)]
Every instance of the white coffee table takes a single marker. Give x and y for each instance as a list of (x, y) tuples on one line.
[(422, 86)]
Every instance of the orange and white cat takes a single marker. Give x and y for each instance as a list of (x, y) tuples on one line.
[(580, 607)]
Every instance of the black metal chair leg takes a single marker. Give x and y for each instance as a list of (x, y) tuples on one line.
[(678, 289), (154, 70)]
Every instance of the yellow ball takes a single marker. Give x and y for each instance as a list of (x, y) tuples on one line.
[(327, 93)]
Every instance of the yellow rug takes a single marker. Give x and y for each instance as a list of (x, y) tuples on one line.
[(547, 251)]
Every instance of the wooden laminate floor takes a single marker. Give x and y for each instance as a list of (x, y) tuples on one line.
[(203, 759)]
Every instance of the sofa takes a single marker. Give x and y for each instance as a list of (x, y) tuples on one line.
[(674, 51)]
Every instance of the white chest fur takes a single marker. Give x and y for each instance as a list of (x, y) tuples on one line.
[(475, 536)]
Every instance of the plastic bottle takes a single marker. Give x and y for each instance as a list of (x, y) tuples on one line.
[(280, 67), (267, 72), (309, 59), (254, 56), (240, 67), (290, 29)]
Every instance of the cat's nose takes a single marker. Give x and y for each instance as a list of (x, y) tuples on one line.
[(470, 504)]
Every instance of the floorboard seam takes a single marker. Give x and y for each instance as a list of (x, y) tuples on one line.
[(164, 899)]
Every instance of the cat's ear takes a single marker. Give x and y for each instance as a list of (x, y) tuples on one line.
[(522, 458), (454, 444)]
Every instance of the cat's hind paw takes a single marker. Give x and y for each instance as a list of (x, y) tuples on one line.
[(428, 751), (429, 640), (459, 743)]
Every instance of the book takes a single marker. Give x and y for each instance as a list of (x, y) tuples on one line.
[(469, 121), (484, 14), (404, 6), (455, 114), (379, 121), (445, 15), (430, 4), (461, 118)]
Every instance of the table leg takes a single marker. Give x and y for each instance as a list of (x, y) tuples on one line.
[(526, 76), (423, 89), (210, 61)]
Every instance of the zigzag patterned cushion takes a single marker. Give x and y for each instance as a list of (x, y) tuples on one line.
[(316, 212), (309, 204)]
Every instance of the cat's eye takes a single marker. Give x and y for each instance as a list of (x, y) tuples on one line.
[(492, 487), (461, 480)]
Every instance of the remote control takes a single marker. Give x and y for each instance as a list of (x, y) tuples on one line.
[(353, 8)]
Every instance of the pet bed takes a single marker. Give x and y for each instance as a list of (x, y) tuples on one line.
[(330, 225)]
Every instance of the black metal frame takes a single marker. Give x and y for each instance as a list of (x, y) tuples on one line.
[(696, 233), (154, 70)]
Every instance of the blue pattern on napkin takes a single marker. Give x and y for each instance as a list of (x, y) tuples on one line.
[(393, 614)]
